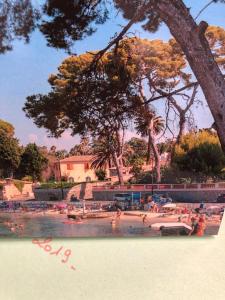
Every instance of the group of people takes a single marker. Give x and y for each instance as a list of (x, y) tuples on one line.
[(14, 226), (198, 225), (149, 205)]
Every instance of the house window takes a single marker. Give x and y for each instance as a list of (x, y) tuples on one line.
[(70, 167), (88, 179), (86, 166), (71, 179)]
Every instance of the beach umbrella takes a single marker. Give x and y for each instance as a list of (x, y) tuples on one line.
[(61, 205)]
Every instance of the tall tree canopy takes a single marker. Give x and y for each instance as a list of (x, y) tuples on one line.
[(101, 100), (189, 35), (69, 21), (65, 22), (95, 102), (10, 150), (18, 18), (33, 162), (200, 153), (7, 128)]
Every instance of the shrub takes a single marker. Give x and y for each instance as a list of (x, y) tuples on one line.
[(19, 184), (56, 185), (101, 174), (27, 178)]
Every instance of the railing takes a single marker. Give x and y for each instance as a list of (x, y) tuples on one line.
[(146, 187)]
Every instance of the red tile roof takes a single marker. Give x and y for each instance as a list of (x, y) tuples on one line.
[(77, 158)]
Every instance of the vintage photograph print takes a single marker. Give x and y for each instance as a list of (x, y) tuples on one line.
[(112, 118)]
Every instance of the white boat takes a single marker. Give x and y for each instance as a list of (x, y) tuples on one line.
[(159, 226)]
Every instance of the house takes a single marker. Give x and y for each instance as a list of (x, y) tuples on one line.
[(75, 169), (114, 177), (78, 169)]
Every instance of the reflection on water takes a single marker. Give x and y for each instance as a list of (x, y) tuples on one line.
[(43, 226), (53, 226)]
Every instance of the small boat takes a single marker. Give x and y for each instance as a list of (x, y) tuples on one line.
[(74, 217), (96, 216), (88, 216), (72, 222)]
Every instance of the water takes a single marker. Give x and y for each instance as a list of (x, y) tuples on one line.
[(53, 226)]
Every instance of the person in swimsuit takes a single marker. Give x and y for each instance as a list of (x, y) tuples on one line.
[(194, 225), (201, 226), (144, 219)]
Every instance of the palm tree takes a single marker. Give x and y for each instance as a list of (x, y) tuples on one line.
[(149, 125), (105, 152)]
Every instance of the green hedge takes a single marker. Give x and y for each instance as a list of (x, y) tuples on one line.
[(56, 185)]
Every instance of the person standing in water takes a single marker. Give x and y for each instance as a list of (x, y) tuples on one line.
[(118, 213), (194, 225), (201, 226), (144, 219)]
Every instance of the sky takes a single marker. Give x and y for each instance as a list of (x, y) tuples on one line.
[(25, 70)]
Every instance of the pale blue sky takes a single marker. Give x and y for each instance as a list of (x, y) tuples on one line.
[(25, 70)]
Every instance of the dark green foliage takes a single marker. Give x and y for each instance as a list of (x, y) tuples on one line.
[(165, 146), (61, 154), (57, 185), (200, 153), (142, 178), (65, 22), (9, 154), (138, 148), (101, 174), (206, 158), (135, 154), (69, 21), (102, 149), (33, 162), (18, 19), (137, 164), (150, 18), (27, 178)]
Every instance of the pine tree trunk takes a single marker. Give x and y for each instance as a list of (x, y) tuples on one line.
[(194, 44), (156, 156), (119, 168), (180, 134), (148, 152), (181, 128), (120, 148)]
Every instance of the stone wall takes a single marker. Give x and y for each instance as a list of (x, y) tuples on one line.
[(11, 192), (183, 196), (49, 194), (81, 191)]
